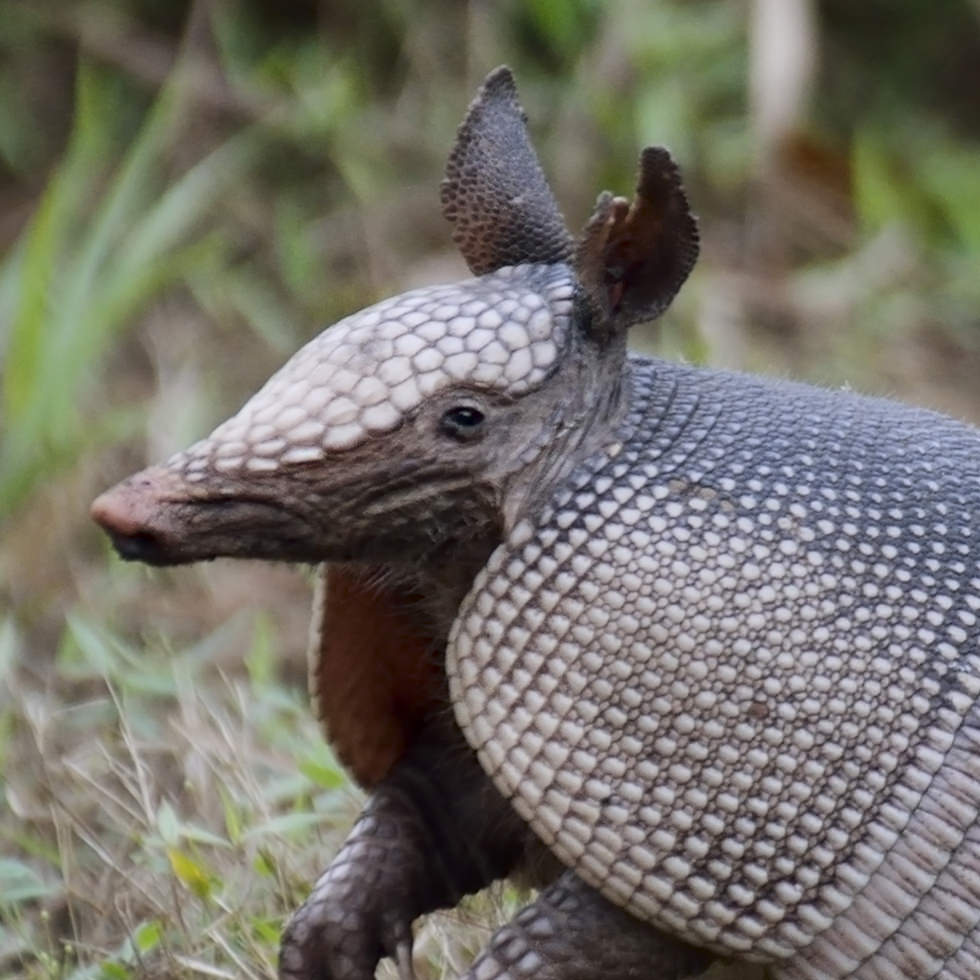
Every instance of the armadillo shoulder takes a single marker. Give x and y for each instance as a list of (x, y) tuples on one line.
[(732, 668)]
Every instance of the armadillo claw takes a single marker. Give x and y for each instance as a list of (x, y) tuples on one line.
[(339, 933), (572, 933), (358, 910)]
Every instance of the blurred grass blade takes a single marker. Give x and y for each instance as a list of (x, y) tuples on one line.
[(19, 882), (79, 279), (191, 872)]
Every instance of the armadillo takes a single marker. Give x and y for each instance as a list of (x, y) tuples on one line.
[(695, 652)]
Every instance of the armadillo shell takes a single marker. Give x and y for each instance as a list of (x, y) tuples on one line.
[(730, 674)]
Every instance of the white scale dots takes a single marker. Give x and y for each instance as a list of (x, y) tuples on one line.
[(360, 378), (746, 666)]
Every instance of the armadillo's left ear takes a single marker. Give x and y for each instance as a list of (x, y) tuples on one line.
[(633, 258), (495, 192)]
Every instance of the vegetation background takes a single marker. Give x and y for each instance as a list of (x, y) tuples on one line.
[(190, 190)]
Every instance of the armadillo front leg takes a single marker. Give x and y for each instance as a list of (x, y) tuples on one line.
[(572, 933), (434, 830)]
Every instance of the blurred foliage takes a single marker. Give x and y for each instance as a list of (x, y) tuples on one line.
[(80, 273), (190, 190), (195, 784)]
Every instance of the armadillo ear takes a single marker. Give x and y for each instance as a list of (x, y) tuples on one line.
[(495, 192), (633, 258)]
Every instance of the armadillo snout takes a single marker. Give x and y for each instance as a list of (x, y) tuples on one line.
[(159, 517), (134, 515)]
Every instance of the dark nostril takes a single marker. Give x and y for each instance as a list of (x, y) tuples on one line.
[(130, 514), (141, 546)]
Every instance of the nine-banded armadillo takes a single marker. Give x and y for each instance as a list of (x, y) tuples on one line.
[(713, 638)]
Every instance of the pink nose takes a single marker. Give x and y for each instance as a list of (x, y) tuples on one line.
[(135, 515), (137, 504), (118, 511)]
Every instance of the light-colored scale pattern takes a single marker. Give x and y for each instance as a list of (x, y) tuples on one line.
[(731, 675), (501, 332)]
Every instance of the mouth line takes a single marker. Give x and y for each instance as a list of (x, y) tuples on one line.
[(141, 546), (180, 530)]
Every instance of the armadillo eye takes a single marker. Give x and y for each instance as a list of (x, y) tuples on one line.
[(462, 422)]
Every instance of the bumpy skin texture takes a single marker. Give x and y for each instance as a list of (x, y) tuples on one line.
[(433, 831), (495, 194), (730, 675), (368, 373), (572, 933)]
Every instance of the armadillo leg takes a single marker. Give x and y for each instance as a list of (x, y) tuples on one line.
[(433, 830), (572, 933)]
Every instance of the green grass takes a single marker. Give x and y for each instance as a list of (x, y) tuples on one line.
[(168, 813), (166, 798), (167, 808)]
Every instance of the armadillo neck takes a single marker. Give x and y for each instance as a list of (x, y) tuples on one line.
[(441, 580), (590, 401)]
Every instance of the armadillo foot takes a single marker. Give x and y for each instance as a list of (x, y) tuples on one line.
[(362, 906), (572, 933), (433, 830)]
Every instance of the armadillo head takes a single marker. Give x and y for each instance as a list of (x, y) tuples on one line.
[(397, 428), (436, 415)]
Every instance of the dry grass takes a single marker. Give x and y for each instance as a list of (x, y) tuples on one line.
[(167, 804)]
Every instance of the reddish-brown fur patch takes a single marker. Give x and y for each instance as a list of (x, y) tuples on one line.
[(373, 675)]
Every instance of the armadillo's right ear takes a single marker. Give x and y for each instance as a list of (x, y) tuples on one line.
[(633, 258), (495, 192)]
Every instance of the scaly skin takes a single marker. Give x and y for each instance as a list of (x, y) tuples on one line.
[(433, 831), (570, 932)]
